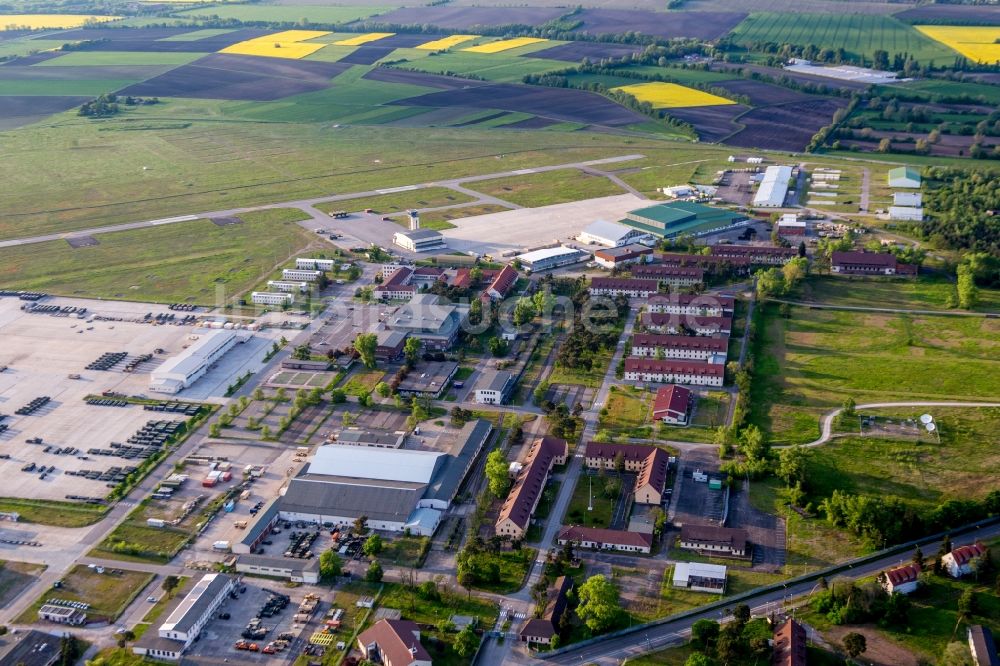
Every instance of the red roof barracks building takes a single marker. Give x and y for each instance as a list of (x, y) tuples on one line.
[(674, 372), (672, 405), (869, 263)]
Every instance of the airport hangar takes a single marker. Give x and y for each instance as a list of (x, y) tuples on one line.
[(396, 489)]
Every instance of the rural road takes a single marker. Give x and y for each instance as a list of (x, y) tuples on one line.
[(861, 308), (307, 205)]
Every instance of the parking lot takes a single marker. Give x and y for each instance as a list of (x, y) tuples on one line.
[(693, 501), (219, 639)]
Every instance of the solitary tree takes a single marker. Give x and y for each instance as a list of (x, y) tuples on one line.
[(374, 573), (466, 642), (170, 583), (412, 350), (330, 564), (372, 546), (365, 345), (598, 604), (497, 473), (855, 644)]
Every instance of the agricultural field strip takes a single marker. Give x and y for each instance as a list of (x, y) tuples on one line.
[(288, 44), (312, 201), (672, 96), (977, 43), (51, 21)]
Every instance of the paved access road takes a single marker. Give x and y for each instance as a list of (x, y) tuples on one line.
[(308, 205)]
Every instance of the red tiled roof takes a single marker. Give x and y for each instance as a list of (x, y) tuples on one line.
[(399, 277), (662, 341), (789, 645), (698, 300), (634, 364), (531, 481), (462, 279), (881, 259), (657, 319), (671, 398), (654, 471), (704, 260), (624, 283), (733, 538), (396, 638), (428, 270), (964, 554), (904, 574), (504, 281), (661, 271), (602, 535), (607, 451), (752, 250)]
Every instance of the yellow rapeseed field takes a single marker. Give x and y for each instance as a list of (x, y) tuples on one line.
[(364, 39), (446, 42), (672, 96), (504, 45), (977, 43), (288, 44), (49, 21)]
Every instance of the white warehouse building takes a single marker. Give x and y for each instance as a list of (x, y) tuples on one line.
[(271, 298), (610, 234), (774, 187), (184, 369), (183, 626)]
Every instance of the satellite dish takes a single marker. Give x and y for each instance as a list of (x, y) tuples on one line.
[(931, 427), (926, 418)]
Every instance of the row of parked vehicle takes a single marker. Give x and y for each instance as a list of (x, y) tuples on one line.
[(33, 406), (106, 361)]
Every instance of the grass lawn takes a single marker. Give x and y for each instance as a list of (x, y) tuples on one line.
[(107, 594), (925, 293), (934, 611), (403, 551), (56, 514), (627, 412), (514, 567), (135, 542), (811, 362), (362, 382), (397, 202), (675, 656), (187, 261), (440, 220), (579, 377), (924, 472), (810, 543), (464, 372), (710, 413), (577, 513), (426, 611), (547, 188)]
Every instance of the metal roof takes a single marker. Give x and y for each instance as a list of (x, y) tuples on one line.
[(193, 358), (611, 231), (197, 601), (684, 570), (774, 187), (548, 253), (373, 463), (336, 496)]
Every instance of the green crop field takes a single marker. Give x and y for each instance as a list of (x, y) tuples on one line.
[(50, 87), (286, 13), (809, 363), (549, 187), (990, 94), (187, 261), (195, 35), (859, 35), (119, 58), (23, 47), (490, 66)]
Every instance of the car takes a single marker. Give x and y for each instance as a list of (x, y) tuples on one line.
[(151, 600), (224, 616)]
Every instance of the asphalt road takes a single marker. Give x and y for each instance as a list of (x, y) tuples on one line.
[(308, 205), (615, 650)]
